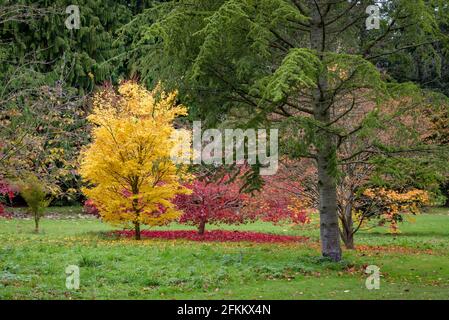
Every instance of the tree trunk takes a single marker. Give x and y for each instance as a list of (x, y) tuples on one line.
[(36, 222), (347, 226), (137, 230), (135, 190), (326, 146), (202, 227), (329, 230), (348, 239)]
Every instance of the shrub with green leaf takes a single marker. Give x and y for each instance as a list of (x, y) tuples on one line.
[(35, 194)]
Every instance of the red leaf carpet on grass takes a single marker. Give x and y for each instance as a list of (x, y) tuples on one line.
[(215, 236)]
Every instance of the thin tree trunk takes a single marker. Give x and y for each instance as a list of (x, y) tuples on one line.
[(202, 227), (135, 190), (137, 230), (326, 145), (36, 223), (347, 232), (348, 239)]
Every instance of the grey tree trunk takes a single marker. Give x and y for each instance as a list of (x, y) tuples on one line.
[(348, 239), (347, 231), (329, 229), (326, 153)]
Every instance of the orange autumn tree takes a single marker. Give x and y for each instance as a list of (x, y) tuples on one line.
[(128, 166), (390, 206)]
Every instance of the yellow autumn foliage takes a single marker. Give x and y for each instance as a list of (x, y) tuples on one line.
[(128, 167), (392, 204)]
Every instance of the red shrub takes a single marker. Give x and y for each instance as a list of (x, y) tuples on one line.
[(279, 200), (212, 202), (215, 236), (90, 208), (222, 202), (6, 190)]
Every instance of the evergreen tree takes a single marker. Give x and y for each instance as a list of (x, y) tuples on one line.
[(46, 72), (303, 65), (79, 57)]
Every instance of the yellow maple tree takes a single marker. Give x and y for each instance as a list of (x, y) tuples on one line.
[(132, 180)]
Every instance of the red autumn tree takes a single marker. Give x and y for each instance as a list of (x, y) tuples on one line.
[(91, 209), (279, 200), (222, 201), (6, 190), (213, 202)]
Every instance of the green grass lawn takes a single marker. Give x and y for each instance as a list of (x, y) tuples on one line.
[(414, 264)]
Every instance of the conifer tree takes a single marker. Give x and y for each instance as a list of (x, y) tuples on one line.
[(303, 65)]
